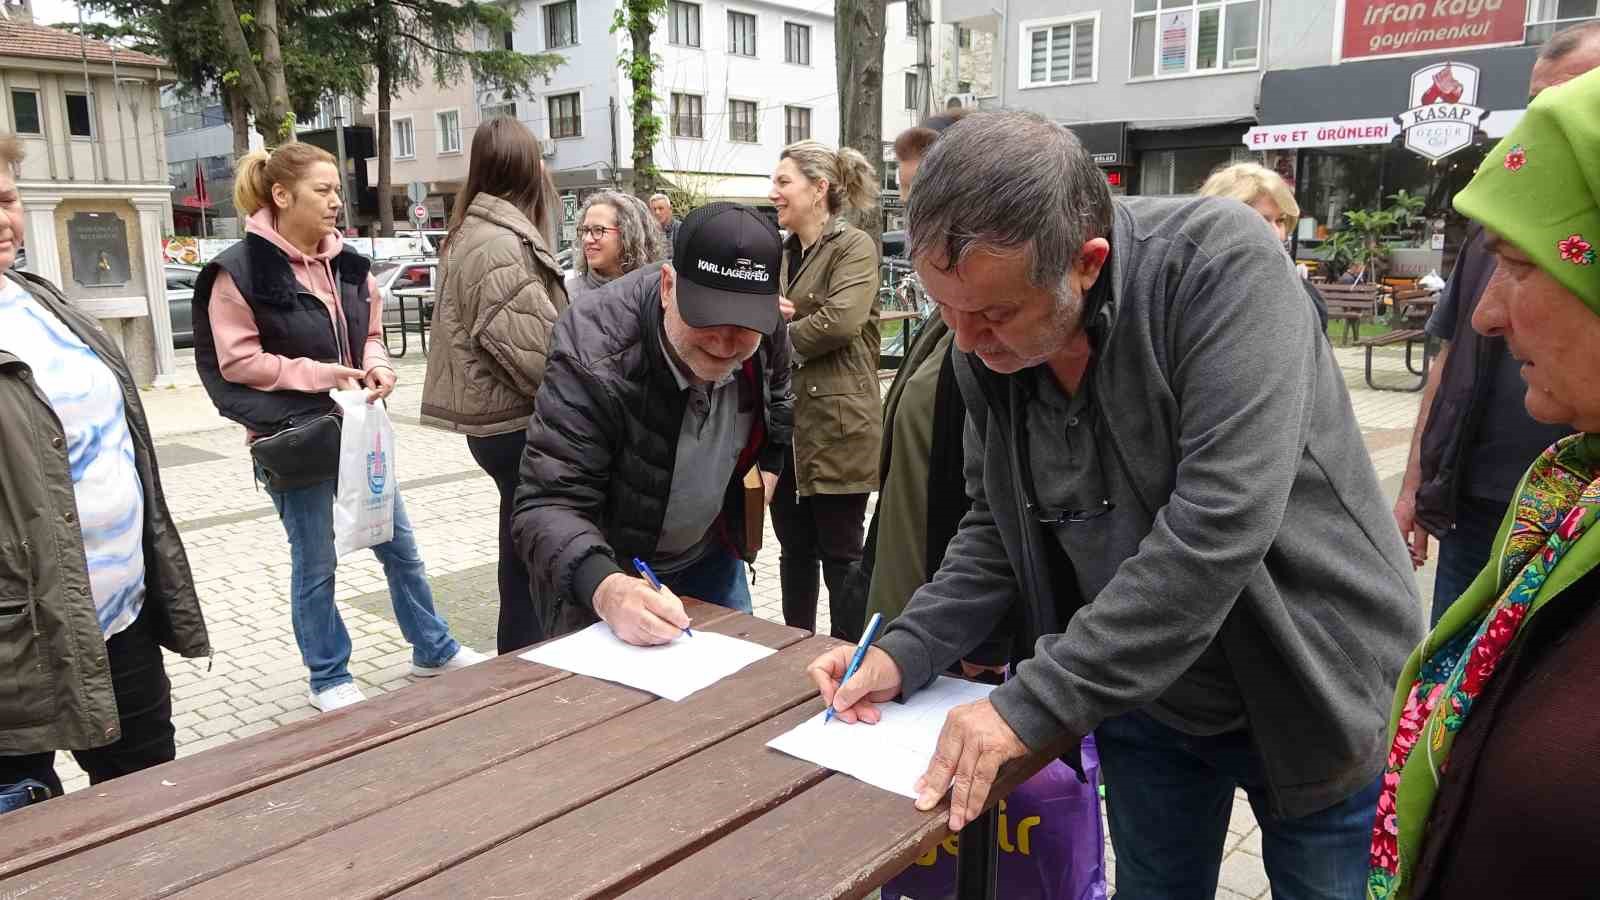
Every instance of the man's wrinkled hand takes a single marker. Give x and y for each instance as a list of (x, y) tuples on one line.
[(876, 681), (974, 743), (637, 612)]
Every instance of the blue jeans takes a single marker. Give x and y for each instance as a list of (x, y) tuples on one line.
[(1169, 796), (1464, 551), (307, 516), (718, 577)]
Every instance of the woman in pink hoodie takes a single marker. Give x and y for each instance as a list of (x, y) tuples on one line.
[(281, 318)]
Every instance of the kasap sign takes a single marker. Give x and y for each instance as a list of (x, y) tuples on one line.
[(1443, 118)]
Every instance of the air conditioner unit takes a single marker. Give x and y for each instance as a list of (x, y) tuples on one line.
[(548, 149), (964, 101)]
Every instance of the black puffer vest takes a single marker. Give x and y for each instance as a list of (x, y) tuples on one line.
[(292, 321)]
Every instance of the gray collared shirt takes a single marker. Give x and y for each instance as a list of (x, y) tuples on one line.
[(713, 432)]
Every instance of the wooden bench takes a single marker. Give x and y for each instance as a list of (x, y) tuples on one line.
[(1351, 304), (1412, 308)]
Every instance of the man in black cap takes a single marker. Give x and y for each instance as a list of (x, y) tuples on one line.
[(662, 390)]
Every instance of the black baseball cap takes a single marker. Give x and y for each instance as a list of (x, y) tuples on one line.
[(727, 257)]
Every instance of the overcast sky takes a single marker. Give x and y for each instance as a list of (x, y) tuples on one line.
[(50, 12)]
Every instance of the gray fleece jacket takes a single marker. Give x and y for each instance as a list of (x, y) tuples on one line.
[(1262, 526)]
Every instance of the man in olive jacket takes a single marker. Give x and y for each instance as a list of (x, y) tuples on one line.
[(662, 390), (56, 690), (1172, 511)]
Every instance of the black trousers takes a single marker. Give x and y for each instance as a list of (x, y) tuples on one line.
[(144, 706), (500, 456), (826, 528)]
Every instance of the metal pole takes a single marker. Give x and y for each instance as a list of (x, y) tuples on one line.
[(338, 140), (116, 93), (615, 181), (978, 857), (200, 201), (88, 92)]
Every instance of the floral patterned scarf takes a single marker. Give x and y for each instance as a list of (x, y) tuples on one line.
[(1556, 504)]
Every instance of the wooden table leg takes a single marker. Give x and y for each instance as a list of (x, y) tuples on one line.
[(978, 857)]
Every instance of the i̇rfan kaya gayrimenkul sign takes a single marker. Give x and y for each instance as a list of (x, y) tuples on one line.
[(1374, 28)]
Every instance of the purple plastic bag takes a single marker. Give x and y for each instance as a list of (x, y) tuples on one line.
[(1052, 842)]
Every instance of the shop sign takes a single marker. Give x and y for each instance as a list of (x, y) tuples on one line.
[(1442, 118), (1174, 43), (1347, 133), (1392, 27), (1104, 159)]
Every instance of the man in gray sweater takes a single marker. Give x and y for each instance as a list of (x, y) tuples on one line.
[(1172, 513)]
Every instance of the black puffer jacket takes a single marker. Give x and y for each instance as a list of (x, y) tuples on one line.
[(603, 440)]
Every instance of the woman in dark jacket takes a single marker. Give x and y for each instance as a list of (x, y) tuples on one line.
[(93, 577), (500, 293)]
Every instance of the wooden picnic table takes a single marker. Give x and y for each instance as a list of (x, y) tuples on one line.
[(506, 778)]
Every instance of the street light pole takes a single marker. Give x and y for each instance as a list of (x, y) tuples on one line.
[(338, 141)]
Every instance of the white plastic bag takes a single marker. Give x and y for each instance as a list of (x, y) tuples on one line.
[(363, 507)]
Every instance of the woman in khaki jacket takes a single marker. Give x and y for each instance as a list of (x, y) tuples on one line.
[(829, 288), (500, 293)]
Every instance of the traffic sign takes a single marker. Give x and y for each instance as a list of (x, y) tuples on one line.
[(569, 209), (419, 215), (417, 191)]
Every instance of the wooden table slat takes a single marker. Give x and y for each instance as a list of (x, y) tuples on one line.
[(412, 840), (627, 836), (162, 809)]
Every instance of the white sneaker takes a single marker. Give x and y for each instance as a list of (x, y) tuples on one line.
[(465, 656), (337, 697)]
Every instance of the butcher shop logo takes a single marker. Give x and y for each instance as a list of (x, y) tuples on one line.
[(1443, 118)]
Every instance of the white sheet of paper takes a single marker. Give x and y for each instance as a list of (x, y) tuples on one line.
[(892, 754), (673, 670)]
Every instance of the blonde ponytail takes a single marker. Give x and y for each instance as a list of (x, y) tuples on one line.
[(259, 170), (852, 180)]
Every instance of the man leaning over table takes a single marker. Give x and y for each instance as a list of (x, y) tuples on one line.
[(1172, 511), (662, 390)]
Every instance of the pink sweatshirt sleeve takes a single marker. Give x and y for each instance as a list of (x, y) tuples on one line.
[(239, 353), (376, 354)]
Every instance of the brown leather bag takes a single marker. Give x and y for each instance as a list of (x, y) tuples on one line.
[(755, 509)]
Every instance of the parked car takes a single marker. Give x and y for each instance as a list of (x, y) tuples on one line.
[(431, 239), (393, 274), (180, 302)]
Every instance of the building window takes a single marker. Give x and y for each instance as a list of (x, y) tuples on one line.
[(891, 177), (449, 123), (25, 112), (507, 108), (1060, 52), (405, 138), (742, 121), (507, 40), (797, 44), (1546, 17), (561, 24), (80, 123), (964, 38), (963, 87), (741, 34), (911, 18), (566, 119), (683, 23), (688, 116), (1163, 172), (911, 91), (1184, 37), (796, 124)]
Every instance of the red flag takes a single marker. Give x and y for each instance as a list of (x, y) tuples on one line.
[(200, 186)]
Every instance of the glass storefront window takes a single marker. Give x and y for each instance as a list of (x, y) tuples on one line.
[(1163, 172)]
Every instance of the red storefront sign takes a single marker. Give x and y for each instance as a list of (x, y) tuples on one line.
[(1393, 27)]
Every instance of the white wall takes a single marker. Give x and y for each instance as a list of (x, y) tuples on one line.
[(590, 69)]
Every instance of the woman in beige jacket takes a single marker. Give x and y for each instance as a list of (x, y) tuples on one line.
[(500, 293), (829, 291)]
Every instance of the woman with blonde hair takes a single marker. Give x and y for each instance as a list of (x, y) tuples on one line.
[(1265, 191), (500, 293), (829, 292), (616, 234), (281, 318)]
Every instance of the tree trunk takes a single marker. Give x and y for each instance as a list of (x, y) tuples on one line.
[(644, 133), (238, 120), (385, 67), (858, 47), (280, 116)]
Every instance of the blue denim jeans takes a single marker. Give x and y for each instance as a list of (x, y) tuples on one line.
[(718, 577), (1169, 796), (1464, 551), (307, 516)]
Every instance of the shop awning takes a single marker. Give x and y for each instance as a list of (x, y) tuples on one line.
[(1356, 132)]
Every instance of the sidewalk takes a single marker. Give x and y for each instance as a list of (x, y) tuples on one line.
[(241, 566)]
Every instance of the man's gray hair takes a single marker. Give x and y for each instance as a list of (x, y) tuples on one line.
[(642, 240), (655, 197), (1568, 40), (1008, 182)]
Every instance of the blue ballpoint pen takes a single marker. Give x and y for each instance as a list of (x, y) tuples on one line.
[(648, 575), (867, 638)]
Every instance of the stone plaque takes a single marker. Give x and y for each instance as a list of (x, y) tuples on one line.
[(98, 245)]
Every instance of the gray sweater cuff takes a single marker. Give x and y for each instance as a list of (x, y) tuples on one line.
[(911, 656), (1034, 724)]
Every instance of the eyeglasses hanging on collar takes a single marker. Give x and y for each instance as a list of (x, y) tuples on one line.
[(1054, 517)]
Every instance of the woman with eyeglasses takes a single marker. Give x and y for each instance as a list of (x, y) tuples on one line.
[(1265, 191), (500, 294), (617, 234)]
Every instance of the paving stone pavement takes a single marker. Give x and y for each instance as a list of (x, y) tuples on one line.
[(241, 565)]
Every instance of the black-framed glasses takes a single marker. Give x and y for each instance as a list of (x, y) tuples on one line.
[(1054, 517), (598, 232)]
